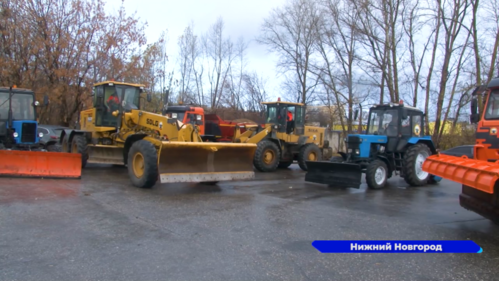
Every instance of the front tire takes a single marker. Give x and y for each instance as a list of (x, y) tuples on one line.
[(376, 174), (54, 148), (79, 145), (336, 159), (309, 152), (267, 156), (143, 164), (413, 165)]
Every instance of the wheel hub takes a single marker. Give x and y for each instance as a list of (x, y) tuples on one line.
[(138, 165), (379, 175), (268, 156), (312, 157), (419, 166)]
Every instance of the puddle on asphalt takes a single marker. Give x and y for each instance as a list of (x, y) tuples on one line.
[(29, 190)]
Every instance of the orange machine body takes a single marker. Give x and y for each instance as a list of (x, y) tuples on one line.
[(479, 176), (211, 126)]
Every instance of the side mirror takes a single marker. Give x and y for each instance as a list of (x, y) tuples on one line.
[(404, 113), (46, 100), (148, 97), (355, 114), (474, 117)]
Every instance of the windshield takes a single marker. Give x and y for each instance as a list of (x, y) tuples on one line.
[(271, 114), (383, 122), (22, 106), (492, 111), (178, 115), (131, 98)]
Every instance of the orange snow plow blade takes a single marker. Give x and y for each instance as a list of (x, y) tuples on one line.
[(40, 164), (478, 174)]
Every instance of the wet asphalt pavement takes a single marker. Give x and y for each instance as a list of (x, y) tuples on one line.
[(102, 228)]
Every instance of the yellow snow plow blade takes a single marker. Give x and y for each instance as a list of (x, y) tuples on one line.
[(205, 161), (20, 163)]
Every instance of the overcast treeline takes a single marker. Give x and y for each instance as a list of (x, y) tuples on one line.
[(431, 54)]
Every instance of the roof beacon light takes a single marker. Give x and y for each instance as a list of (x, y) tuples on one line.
[(279, 99), (401, 102)]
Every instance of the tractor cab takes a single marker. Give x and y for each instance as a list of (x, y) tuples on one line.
[(111, 99), (286, 117), (395, 120), (18, 118)]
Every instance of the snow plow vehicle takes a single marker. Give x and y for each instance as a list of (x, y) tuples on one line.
[(394, 143), (478, 176), (152, 146), (281, 140), (21, 153)]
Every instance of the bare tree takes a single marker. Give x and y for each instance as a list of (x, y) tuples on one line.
[(219, 53), (452, 26), (290, 32)]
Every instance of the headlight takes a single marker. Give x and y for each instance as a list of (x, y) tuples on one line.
[(382, 149), (349, 150), (40, 134), (357, 151), (15, 134), (275, 127), (174, 115), (198, 117)]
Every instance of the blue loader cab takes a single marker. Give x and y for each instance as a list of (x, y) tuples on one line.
[(394, 143)]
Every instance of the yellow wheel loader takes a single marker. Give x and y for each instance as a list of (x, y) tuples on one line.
[(284, 138), (21, 153), (152, 146)]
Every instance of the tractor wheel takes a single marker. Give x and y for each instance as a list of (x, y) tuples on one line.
[(376, 174), (308, 152), (65, 145), (143, 164), (336, 159), (267, 156), (79, 145), (413, 165), (54, 147), (284, 164)]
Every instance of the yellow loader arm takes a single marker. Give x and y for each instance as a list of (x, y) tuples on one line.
[(250, 136)]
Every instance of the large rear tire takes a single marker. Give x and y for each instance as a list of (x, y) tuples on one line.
[(309, 152), (79, 145), (376, 174), (267, 156), (143, 164), (284, 164), (413, 165)]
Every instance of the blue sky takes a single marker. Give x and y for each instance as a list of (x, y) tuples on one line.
[(242, 18)]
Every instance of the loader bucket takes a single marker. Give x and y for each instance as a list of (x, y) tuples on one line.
[(205, 162), (334, 174), (19, 163), (478, 174)]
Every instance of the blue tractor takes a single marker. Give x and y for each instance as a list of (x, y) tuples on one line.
[(393, 143), (18, 125)]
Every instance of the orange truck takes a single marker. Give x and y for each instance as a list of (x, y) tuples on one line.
[(479, 176), (211, 126)]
